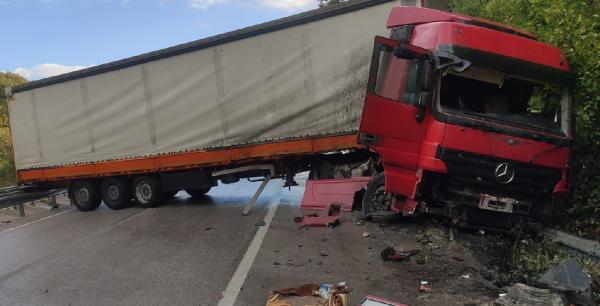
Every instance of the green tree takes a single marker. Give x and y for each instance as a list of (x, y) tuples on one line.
[(324, 3), (574, 26), (7, 167)]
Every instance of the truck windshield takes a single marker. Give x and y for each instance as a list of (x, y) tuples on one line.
[(495, 96)]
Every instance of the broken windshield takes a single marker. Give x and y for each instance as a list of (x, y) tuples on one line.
[(503, 98)]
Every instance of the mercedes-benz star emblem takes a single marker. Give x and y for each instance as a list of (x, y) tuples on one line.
[(505, 173)]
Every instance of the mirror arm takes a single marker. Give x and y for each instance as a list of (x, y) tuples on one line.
[(420, 114), (458, 64)]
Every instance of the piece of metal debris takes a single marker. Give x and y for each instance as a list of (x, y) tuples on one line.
[(371, 300)]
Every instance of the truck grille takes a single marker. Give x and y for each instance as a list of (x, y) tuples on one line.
[(479, 171)]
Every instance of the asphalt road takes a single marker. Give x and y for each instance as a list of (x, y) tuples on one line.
[(202, 252)]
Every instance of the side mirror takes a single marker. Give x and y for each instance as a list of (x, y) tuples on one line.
[(426, 75), (425, 98)]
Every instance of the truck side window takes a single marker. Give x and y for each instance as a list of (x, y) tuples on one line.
[(396, 78)]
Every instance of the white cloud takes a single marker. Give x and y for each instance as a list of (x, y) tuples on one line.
[(204, 4), (46, 70), (289, 4)]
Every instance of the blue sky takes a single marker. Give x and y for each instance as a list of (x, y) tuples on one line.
[(42, 38)]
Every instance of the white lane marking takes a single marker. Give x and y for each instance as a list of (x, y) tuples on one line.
[(128, 218), (36, 221), (239, 277)]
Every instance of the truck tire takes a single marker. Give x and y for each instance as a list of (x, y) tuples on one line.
[(116, 192), (85, 195), (375, 198), (147, 192), (196, 193)]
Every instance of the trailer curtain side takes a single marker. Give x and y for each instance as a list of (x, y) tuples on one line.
[(302, 81)]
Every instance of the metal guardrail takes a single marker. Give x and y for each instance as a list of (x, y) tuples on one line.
[(588, 247), (17, 196)]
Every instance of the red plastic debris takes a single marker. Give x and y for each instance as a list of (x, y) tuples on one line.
[(320, 193), (314, 220)]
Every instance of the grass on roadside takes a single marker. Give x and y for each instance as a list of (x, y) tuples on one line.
[(525, 261)]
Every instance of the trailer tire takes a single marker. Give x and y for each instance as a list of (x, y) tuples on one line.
[(375, 198), (85, 195), (197, 193), (116, 192), (147, 192)]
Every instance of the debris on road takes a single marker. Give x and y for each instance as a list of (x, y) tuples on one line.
[(466, 276), (521, 295), (371, 300), (311, 295), (424, 287), (260, 223), (323, 253), (366, 234), (568, 278), (303, 295), (329, 291), (390, 254), (314, 220)]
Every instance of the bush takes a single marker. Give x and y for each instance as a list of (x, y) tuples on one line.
[(7, 166)]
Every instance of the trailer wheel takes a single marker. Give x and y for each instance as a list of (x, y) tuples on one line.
[(196, 193), (116, 192), (147, 192), (85, 195), (376, 199)]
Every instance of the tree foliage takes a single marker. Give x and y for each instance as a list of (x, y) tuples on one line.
[(324, 3), (7, 172), (574, 26)]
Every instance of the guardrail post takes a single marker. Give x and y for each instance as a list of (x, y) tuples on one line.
[(21, 210), (53, 203)]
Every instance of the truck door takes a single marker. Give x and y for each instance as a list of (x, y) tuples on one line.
[(393, 122)]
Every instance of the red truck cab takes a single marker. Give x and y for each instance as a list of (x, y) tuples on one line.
[(468, 118)]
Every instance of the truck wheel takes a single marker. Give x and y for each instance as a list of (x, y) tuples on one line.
[(116, 192), (147, 192), (375, 198), (85, 195), (196, 193)]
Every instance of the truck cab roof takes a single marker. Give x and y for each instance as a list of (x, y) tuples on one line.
[(404, 15), (480, 40)]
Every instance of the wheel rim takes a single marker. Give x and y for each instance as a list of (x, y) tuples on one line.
[(113, 193), (82, 195), (381, 199), (143, 192)]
